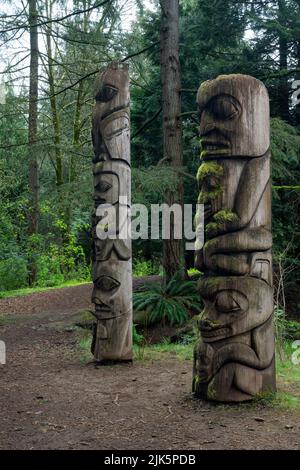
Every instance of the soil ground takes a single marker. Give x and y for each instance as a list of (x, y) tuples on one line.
[(53, 397)]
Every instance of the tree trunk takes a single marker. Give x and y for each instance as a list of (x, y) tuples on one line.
[(33, 212), (297, 77), (76, 132), (53, 104), (283, 89), (172, 131)]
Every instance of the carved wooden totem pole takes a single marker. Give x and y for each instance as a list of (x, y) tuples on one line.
[(111, 257), (234, 356)]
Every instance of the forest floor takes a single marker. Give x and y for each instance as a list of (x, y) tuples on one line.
[(52, 396)]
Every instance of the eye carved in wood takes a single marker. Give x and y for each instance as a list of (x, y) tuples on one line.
[(224, 107), (107, 284), (230, 301), (106, 93), (103, 186)]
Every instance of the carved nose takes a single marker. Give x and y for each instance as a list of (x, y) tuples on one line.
[(207, 128), (101, 306), (204, 324)]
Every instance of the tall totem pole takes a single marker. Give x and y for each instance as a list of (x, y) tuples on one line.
[(234, 356), (111, 256)]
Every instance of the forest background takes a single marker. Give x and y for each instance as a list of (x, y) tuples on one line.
[(51, 52)]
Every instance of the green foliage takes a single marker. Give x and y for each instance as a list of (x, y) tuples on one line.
[(285, 148), (278, 400), (142, 268), (279, 324), (285, 330), (137, 339), (149, 185), (30, 290), (13, 273), (171, 303), (212, 42), (155, 352)]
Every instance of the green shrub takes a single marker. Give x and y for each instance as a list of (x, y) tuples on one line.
[(172, 303), (142, 268), (49, 271), (13, 273), (137, 338)]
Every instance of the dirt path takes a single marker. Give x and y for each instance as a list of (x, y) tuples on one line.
[(51, 399), (68, 299)]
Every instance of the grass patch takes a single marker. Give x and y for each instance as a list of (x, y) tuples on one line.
[(164, 350), (142, 352), (280, 400), (84, 338), (32, 290), (286, 371), (7, 320)]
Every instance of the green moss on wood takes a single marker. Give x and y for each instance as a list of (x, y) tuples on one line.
[(196, 381), (220, 218), (207, 196), (209, 169), (225, 216), (211, 391), (212, 227)]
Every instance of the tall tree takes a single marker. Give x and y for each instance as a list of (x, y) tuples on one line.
[(33, 212), (283, 88), (172, 129)]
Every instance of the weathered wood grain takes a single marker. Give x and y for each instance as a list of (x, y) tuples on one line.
[(111, 257), (234, 356)]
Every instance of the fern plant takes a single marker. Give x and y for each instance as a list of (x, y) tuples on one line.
[(171, 303)]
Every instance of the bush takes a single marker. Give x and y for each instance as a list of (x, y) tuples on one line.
[(49, 272), (13, 273), (172, 303), (142, 268), (137, 338)]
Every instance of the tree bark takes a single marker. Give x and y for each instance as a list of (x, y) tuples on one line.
[(283, 88), (53, 104), (172, 130), (33, 212)]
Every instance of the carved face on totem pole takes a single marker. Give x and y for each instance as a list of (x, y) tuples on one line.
[(109, 299), (111, 124), (230, 310), (234, 111)]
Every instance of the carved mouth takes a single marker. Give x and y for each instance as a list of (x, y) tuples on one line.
[(99, 200), (213, 332), (101, 307), (212, 146)]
